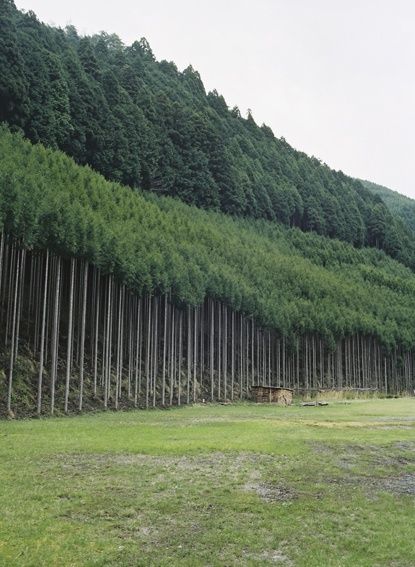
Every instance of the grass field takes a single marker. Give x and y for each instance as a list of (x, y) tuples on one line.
[(212, 485)]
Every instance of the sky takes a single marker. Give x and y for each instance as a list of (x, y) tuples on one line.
[(336, 78)]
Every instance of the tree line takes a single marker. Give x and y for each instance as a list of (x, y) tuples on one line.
[(287, 280), (145, 124), (94, 343)]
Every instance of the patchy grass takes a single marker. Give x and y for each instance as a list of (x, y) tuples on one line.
[(212, 485)]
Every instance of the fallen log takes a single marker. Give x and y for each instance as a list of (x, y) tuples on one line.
[(314, 404)]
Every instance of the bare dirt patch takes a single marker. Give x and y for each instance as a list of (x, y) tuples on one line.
[(354, 454), (209, 463), (404, 484), (398, 485), (269, 492), (373, 468)]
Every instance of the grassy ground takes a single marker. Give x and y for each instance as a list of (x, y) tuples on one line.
[(212, 485)]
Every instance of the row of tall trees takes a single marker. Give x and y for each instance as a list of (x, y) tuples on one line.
[(94, 342), (293, 282), (147, 125)]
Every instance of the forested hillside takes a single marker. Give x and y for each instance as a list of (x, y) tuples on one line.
[(288, 280), (147, 125), (125, 297), (400, 205), (157, 248)]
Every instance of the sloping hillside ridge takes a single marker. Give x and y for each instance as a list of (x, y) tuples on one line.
[(286, 279), (144, 123), (400, 205)]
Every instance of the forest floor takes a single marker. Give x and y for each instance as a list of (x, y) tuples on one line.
[(216, 485)]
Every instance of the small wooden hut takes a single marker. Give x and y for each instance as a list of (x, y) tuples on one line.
[(272, 394)]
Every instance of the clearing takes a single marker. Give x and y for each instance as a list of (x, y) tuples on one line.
[(216, 485)]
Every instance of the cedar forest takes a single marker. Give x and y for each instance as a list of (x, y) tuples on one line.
[(158, 248)]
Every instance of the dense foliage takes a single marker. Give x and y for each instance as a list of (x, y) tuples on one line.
[(289, 280), (400, 205), (145, 124)]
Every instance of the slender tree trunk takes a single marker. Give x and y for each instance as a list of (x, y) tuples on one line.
[(241, 357), (130, 319), (97, 317), (107, 373), (42, 338), (13, 338), (212, 350), (195, 355), (70, 329), (252, 354), (10, 304), (119, 348), (233, 355), (155, 351), (163, 387), (189, 347), (2, 238), (172, 341), (137, 353), (180, 358), (219, 365), (20, 299), (148, 352), (55, 336), (82, 352)]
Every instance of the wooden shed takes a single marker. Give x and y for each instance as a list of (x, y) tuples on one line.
[(272, 394)]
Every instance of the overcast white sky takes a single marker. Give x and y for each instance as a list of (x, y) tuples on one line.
[(336, 78)]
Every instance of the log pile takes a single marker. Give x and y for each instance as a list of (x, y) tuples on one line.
[(272, 394)]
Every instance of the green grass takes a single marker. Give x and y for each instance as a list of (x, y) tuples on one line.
[(212, 485)]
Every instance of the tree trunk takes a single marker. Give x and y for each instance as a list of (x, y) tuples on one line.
[(82, 354), (70, 329), (55, 336), (13, 338), (42, 338)]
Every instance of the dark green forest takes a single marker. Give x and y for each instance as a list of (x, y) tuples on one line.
[(399, 205), (145, 124)]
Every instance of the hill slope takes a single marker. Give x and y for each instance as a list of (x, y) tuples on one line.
[(115, 298), (145, 124), (400, 205), (288, 280)]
